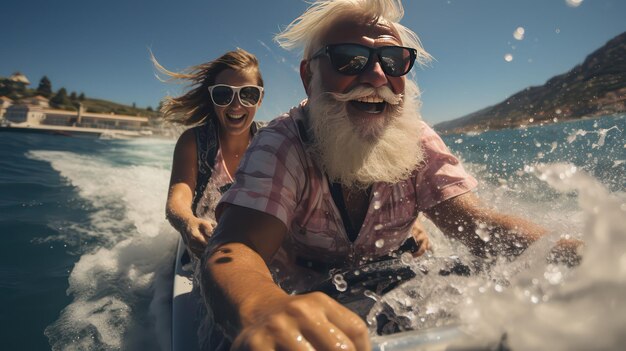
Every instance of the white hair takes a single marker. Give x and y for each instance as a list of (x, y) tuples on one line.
[(305, 30), (342, 151)]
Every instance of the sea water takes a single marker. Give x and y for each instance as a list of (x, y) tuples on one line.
[(87, 254)]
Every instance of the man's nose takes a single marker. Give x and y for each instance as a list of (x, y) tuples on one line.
[(373, 74)]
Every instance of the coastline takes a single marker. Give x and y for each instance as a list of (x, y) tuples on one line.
[(534, 124), (73, 131)]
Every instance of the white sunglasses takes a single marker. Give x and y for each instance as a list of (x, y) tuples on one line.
[(248, 95)]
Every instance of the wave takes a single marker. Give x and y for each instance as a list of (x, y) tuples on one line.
[(119, 284), (534, 304)]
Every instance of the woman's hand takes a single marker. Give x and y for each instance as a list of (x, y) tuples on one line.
[(421, 238), (196, 234)]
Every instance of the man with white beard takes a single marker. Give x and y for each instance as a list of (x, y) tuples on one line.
[(335, 182)]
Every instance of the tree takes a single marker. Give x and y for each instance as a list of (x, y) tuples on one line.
[(149, 108), (60, 98), (73, 96), (81, 97), (45, 87)]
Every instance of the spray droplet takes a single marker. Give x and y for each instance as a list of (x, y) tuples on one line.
[(573, 3), (553, 275), (377, 205), (519, 33), (378, 227), (340, 283), (508, 57), (372, 295), (483, 234), (406, 258), (380, 243)]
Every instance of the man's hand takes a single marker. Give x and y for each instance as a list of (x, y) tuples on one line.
[(311, 321), (567, 251), (196, 234), (421, 238)]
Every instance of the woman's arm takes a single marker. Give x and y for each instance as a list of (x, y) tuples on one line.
[(195, 231)]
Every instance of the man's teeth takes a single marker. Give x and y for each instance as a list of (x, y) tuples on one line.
[(235, 116), (370, 99)]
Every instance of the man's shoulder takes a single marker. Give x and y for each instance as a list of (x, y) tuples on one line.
[(283, 128), (427, 131)]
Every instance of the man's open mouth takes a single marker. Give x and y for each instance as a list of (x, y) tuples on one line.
[(369, 104)]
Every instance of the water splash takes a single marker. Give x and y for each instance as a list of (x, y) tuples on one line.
[(601, 133), (538, 305), (118, 285), (552, 307)]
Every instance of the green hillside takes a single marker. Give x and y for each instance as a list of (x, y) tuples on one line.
[(61, 99), (597, 87)]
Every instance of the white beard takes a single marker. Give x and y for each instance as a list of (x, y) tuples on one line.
[(355, 157)]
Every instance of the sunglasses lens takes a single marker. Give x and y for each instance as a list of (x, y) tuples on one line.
[(349, 59), (222, 95), (249, 96), (396, 61)]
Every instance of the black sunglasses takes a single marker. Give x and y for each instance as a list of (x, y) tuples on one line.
[(222, 94), (352, 59)]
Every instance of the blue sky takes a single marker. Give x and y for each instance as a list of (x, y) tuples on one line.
[(102, 48)]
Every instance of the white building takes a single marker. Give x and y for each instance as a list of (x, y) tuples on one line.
[(5, 102), (36, 111), (19, 78)]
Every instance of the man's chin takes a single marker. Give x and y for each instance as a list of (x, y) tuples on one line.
[(369, 127)]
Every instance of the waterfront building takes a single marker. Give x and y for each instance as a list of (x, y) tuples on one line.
[(19, 78), (5, 102), (36, 111)]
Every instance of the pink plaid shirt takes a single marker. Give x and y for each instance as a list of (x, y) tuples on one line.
[(278, 177)]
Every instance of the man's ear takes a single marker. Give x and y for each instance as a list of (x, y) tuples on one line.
[(305, 75)]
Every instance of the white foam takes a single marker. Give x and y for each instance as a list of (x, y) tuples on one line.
[(119, 283), (539, 306)]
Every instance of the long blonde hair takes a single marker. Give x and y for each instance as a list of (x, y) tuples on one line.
[(196, 106)]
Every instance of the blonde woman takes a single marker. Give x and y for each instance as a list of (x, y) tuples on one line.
[(221, 104)]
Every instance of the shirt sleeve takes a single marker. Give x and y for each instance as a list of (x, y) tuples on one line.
[(442, 175), (268, 177)]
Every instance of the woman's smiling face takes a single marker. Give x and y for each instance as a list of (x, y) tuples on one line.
[(235, 118)]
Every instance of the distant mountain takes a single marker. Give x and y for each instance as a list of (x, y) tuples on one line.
[(594, 88)]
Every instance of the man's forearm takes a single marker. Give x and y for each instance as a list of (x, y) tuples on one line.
[(506, 235), (484, 231), (237, 284)]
